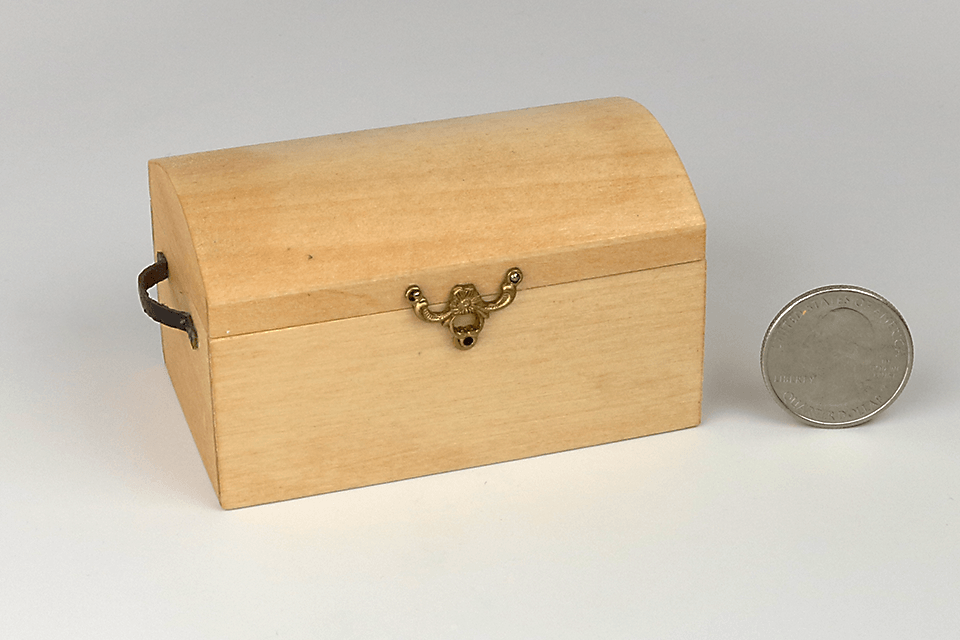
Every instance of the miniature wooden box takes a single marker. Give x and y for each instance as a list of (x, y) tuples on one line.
[(312, 370)]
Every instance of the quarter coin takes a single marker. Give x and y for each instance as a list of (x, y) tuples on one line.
[(837, 356)]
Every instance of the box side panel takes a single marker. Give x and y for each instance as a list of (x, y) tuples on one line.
[(383, 397), (189, 368), (189, 373)]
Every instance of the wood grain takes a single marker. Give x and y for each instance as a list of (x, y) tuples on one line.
[(189, 368), (366, 400), (310, 230), (313, 374)]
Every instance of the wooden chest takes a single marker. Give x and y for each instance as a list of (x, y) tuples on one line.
[(572, 231)]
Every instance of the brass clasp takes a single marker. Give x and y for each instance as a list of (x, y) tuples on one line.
[(466, 310)]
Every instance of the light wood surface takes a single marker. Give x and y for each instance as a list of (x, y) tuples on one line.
[(311, 230), (189, 368), (355, 402), (314, 375)]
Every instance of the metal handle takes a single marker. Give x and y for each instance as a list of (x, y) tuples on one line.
[(158, 272), (465, 303)]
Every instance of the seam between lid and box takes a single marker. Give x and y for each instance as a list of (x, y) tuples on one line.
[(353, 299), (439, 302)]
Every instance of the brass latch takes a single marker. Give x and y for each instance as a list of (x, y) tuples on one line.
[(466, 309)]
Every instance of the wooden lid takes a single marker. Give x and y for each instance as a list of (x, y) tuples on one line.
[(310, 230)]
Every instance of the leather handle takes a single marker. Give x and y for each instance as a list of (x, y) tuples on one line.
[(158, 272)]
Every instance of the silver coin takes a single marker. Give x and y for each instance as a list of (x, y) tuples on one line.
[(837, 356)]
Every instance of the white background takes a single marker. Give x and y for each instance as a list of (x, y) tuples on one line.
[(823, 139)]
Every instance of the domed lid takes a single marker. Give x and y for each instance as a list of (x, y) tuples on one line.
[(310, 230)]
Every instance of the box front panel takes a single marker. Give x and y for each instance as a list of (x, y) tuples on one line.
[(366, 400)]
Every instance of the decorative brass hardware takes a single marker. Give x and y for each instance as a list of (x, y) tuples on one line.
[(465, 304)]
